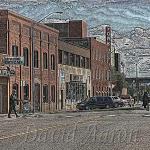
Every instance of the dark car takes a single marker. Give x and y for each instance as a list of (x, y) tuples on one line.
[(97, 102)]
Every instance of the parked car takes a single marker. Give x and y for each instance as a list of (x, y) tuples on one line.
[(118, 100), (127, 100), (97, 102)]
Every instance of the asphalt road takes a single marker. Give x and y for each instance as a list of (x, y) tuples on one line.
[(102, 130)]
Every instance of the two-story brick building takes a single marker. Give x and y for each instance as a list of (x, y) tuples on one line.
[(20, 36), (74, 74)]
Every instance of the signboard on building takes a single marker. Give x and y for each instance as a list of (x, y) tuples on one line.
[(13, 60), (6, 73)]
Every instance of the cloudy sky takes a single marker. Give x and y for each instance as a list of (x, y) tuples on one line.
[(129, 19), (122, 15)]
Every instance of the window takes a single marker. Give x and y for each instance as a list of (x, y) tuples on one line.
[(77, 60), (14, 50), (72, 59), (53, 93), (60, 57), (45, 62), (26, 56), (53, 62), (66, 58), (87, 63), (45, 94), (82, 62), (36, 65), (26, 91)]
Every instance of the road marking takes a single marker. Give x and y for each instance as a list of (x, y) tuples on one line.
[(111, 115), (45, 129)]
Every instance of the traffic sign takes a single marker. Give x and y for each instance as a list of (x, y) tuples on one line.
[(13, 60)]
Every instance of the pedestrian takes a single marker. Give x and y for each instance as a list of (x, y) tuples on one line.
[(145, 99), (12, 103)]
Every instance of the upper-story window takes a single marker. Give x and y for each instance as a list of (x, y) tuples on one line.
[(72, 59), (77, 60), (52, 62), (60, 56), (14, 50), (26, 56), (36, 64), (82, 62), (87, 63), (45, 61), (66, 58)]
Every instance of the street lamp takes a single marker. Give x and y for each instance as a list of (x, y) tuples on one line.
[(32, 65)]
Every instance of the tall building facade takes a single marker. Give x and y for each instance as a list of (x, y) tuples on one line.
[(36, 79)]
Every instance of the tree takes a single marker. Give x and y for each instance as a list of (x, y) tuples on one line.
[(118, 79)]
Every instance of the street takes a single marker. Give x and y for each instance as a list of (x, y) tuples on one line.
[(95, 130)]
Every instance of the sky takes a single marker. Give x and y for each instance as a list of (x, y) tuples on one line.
[(122, 15)]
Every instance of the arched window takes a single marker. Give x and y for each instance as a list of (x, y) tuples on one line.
[(45, 61), (52, 62), (36, 57), (26, 56)]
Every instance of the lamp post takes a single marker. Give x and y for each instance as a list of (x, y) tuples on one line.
[(32, 47)]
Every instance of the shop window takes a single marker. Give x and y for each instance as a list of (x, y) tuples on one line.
[(26, 56), (66, 58), (36, 64), (52, 62), (53, 93), (60, 57), (45, 61), (14, 50), (45, 94)]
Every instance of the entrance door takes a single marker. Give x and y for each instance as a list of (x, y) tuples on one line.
[(37, 97), (3, 98), (62, 97)]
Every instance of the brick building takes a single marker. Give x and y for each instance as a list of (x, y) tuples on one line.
[(100, 60), (74, 74), (72, 28), (16, 39)]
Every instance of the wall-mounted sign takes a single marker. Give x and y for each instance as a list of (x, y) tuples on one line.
[(6, 72), (13, 60)]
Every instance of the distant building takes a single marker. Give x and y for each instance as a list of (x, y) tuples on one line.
[(16, 40), (74, 74), (72, 28), (100, 59)]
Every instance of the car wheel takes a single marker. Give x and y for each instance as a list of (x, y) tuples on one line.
[(107, 106), (116, 105)]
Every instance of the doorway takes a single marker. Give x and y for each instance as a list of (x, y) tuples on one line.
[(62, 101), (3, 98), (37, 97)]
